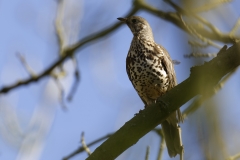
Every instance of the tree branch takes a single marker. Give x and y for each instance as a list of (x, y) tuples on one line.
[(202, 79), (213, 34), (162, 143), (81, 149), (85, 147), (67, 53), (210, 6), (147, 153)]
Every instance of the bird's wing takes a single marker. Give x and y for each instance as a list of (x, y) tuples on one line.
[(167, 64), (169, 68)]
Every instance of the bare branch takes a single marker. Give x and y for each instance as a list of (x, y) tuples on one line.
[(85, 147), (234, 29), (197, 55), (210, 6), (197, 44), (213, 34), (188, 13), (26, 66), (59, 27), (162, 143), (61, 94), (76, 78), (81, 149), (68, 52), (193, 32), (147, 153)]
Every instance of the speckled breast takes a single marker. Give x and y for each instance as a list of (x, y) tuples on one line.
[(146, 71)]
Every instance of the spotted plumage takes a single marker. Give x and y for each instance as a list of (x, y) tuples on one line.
[(150, 69)]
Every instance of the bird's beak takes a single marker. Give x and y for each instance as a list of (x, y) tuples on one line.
[(124, 20)]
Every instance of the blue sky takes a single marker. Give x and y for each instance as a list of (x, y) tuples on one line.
[(33, 124)]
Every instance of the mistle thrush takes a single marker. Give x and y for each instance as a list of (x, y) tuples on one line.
[(151, 71)]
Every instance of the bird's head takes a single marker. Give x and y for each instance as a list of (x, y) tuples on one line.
[(138, 25)]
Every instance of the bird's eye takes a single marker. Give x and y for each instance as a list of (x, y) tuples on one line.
[(134, 20)]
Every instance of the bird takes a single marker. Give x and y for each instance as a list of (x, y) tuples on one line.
[(151, 72)]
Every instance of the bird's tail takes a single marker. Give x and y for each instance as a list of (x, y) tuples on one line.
[(172, 135)]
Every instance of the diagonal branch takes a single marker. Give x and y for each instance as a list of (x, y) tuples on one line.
[(189, 13), (210, 6), (68, 52), (172, 17), (193, 32), (202, 79)]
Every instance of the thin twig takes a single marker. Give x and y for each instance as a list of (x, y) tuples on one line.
[(59, 27), (60, 35), (234, 29), (147, 153), (161, 149), (81, 149), (25, 64), (200, 55), (76, 80), (197, 44), (194, 54), (181, 155), (162, 143), (85, 147), (61, 95)]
